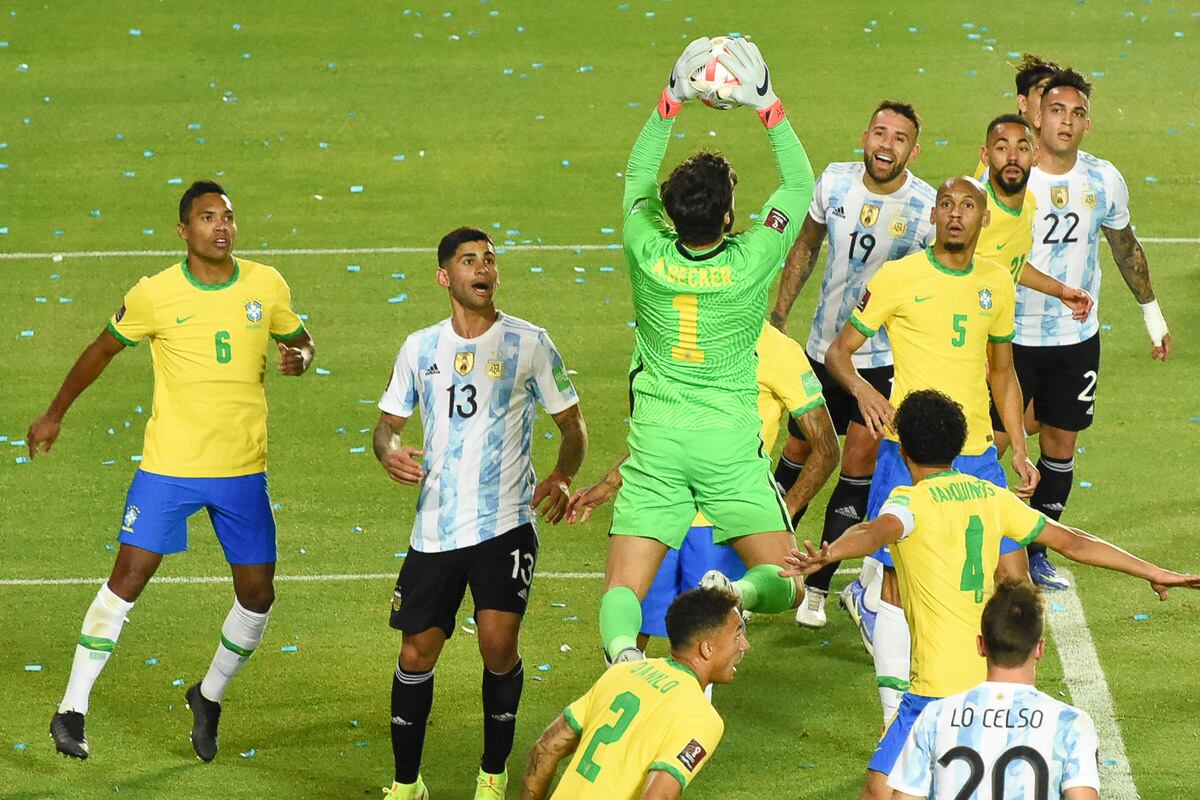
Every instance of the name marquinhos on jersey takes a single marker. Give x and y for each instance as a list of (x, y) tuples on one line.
[(694, 277), (961, 491)]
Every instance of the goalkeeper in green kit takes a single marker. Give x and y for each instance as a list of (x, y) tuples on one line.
[(700, 296)]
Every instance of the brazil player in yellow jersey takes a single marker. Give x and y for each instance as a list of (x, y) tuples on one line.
[(210, 320), (1033, 73), (945, 531), (645, 729), (787, 386)]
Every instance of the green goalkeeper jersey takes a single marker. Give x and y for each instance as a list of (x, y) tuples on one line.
[(699, 315)]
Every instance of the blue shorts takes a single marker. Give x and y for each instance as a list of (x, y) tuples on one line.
[(887, 752), (158, 506), (681, 570), (891, 471)]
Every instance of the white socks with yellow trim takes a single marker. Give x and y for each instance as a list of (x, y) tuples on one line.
[(240, 635), (101, 626)]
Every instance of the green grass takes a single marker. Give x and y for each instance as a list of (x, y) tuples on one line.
[(802, 717)]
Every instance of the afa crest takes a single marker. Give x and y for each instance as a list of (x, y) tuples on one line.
[(985, 299), (868, 216), (1060, 196), (254, 311), (898, 227), (397, 601), (1089, 201), (495, 370), (464, 362)]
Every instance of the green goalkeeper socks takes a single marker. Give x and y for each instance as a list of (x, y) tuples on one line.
[(620, 620), (764, 592)]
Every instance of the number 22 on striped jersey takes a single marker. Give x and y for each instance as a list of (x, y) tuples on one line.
[(688, 306)]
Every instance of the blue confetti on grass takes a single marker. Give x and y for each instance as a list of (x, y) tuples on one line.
[(358, 450), (606, 269), (353, 268), (177, 682), (1140, 617), (322, 371), (251, 753), (150, 662), (356, 188), (22, 459), (289, 648), (33, 667), (543, 667), (400, 298), (1085, 484), (1057, 607)]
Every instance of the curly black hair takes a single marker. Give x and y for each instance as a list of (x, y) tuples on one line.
[(932, 427)]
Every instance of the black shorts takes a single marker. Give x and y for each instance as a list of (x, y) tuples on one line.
[(1060, 381), (431, 586), (843, 408)]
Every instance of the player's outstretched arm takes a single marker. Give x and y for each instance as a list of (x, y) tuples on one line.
[(401, 462), (820, 434), (1085, 548), (801, 260), (296, 355), (861, 540), (661, 785), (1079, 301), (1010, 404), (557, 742), (45, 429), (1131, 260), (583, 502), (555, 487), (877, 412)]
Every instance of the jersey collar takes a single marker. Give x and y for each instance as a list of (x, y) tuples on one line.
[(690, 256), (211, 287), (682, 667), (943, 473), (958, 273), (1016, 212)]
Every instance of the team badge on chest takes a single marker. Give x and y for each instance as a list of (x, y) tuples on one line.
[(868, 215), (254, 311), (495, 370), (464, 362), (898, 227), (1060, 196), (985, 299), (1089, 201)]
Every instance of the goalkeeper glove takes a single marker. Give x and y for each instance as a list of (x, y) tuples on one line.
[(744, 61), (694, 57)]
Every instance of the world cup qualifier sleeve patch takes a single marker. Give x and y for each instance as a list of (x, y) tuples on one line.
[(776, 220), (862, 304), (692, 754)]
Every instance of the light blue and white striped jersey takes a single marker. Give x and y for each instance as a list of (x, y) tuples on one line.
[(478, 400), (1072, 208), (1004, 741), (864, 230)]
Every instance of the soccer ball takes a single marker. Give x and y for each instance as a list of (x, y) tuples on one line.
[(714, 81)]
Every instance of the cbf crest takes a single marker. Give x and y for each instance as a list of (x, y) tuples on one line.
[(131, 515), (985, 299), (1060, 196), (254, 311), (464, 362), (868, 215)]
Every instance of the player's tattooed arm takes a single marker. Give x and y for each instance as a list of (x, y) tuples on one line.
[(555, 487), (401, 462), (557, 742), (45, 429), (1131, 260), (820, 434), (801, 260)]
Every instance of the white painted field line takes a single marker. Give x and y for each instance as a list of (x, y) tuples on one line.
[(364, 576), (1089, 690), (366, 251)]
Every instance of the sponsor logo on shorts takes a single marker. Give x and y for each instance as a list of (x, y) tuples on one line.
[(692, 754), (776, 220), (254, 311)]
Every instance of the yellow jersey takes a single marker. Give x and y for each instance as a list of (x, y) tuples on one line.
[(1008, 238), (786, 385), (639, 716), (945, 562), (939, 322), (210, 345)]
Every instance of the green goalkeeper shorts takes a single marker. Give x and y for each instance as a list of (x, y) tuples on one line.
[(672, 473)]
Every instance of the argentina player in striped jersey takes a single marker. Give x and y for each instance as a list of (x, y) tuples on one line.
[(871, 212), (1003, 736), (1079, 197), (477, 378)]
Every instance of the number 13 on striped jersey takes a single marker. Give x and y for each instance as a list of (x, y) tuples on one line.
[(688, 306)]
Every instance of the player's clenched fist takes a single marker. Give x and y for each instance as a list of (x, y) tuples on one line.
[(403, 464), (292, 360), (42, 433)]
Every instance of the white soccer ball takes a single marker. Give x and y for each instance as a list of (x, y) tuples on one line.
[(713, 81)]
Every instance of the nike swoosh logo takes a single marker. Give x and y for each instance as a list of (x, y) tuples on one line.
[(671, 82), (181, 320), (923, 299), (1002, 246), (762, 89)]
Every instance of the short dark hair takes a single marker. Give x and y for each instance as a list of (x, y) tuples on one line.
[(932, 427), (1013, 621), (903, 109), (1032, 70), (1071, 78), (448, 246), (697, 612), (192, 192), (697, 195), (1008, 119)]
